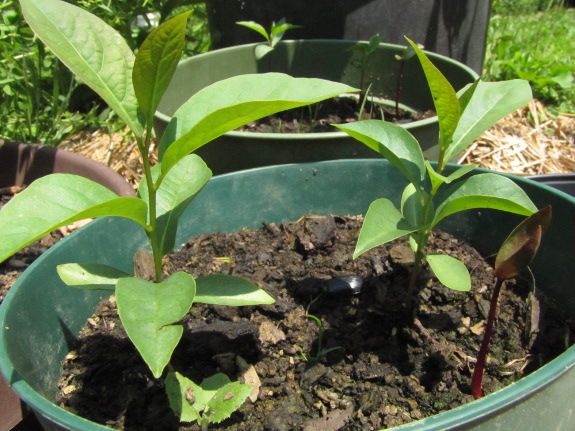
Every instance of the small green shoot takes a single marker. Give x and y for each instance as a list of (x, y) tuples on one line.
[(321, 352), (212, 401), (515, 254), (462, 117), (133, 85), (365, 51), (274, 36)]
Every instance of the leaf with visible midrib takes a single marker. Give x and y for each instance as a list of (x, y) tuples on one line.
[(156, 62), (93, 50)]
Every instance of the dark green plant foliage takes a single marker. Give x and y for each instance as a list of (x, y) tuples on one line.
[(41, 101), (534, 40)]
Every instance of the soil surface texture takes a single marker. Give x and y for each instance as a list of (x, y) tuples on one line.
[(388, 368), (319, 117)]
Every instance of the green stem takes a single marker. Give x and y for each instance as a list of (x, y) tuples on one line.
[(422, 239), (152, 228)]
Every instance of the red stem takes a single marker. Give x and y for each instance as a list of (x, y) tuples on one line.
[(477, 378)]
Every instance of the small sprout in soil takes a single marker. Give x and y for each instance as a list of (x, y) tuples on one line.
[(212, 401), (365, 51), (274, 36), (133, 85), (321, 352), (515, 254), (462, 117)]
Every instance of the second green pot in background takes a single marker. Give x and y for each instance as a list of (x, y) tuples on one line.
[(327, 59)]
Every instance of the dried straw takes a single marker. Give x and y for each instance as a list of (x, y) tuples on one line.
[(530, 141)]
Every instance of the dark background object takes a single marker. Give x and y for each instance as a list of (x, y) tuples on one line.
[(455, 28), (563, 182)]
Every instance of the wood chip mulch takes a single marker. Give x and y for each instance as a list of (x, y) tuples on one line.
[(527, 142)]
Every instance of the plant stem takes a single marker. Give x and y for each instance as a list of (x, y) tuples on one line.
[(152, 231), (477, 378)]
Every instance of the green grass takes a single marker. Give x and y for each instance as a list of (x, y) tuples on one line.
[(534, 40), (40, 100)]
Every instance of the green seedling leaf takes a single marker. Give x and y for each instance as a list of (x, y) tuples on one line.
[(521, 246), (383, 223), (221, 289), (34, 212), (228, 104), (278, 30), (489, 102), (465, 94), (438, 179), (450, 272), (485, 191), (393, 142), (178, 188), (255, 27), (93, 50), (412, 205), (156, 63), (214, 400), (90, 275), (444, 98), (148, 312), (262, 50)]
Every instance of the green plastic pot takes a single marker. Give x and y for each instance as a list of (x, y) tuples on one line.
[(454, 28), (327, 59), (41, 317)]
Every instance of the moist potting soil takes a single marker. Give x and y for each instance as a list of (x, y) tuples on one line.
[(388, 367)]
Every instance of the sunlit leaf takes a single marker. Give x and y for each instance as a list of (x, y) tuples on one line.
[(156, 62), (222, 289), (233, 102), (450, 272), (93, 50), (36, 211), (484, 191), (393, 142), (382, 223), (149, 312), (90, 275)]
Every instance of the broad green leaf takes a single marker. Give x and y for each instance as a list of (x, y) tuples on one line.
[(464, 95), (485, 191), (412, 203), (451, 272), (521, 246), (256, 27), (177, 189), (212, 401), (58, 200), (180, 391), (90, 275), (393, 142), (221, 289), (91, 49), (228, 104), (444, 98), (382, 223), (460, 172), (148, 312), (156, 62), (490, 102)]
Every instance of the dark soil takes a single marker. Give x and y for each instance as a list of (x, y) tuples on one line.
[(390, 368), (319, 117)]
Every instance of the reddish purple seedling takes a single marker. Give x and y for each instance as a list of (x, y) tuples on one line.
[(515, 254)]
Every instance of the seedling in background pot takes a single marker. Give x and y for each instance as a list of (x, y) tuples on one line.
[(321, 352), (515, 254), (133, 86), (462, 117), (274, 37)]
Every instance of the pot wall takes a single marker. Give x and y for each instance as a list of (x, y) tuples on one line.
[(455, 28), (325, 59), (30, 354)]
